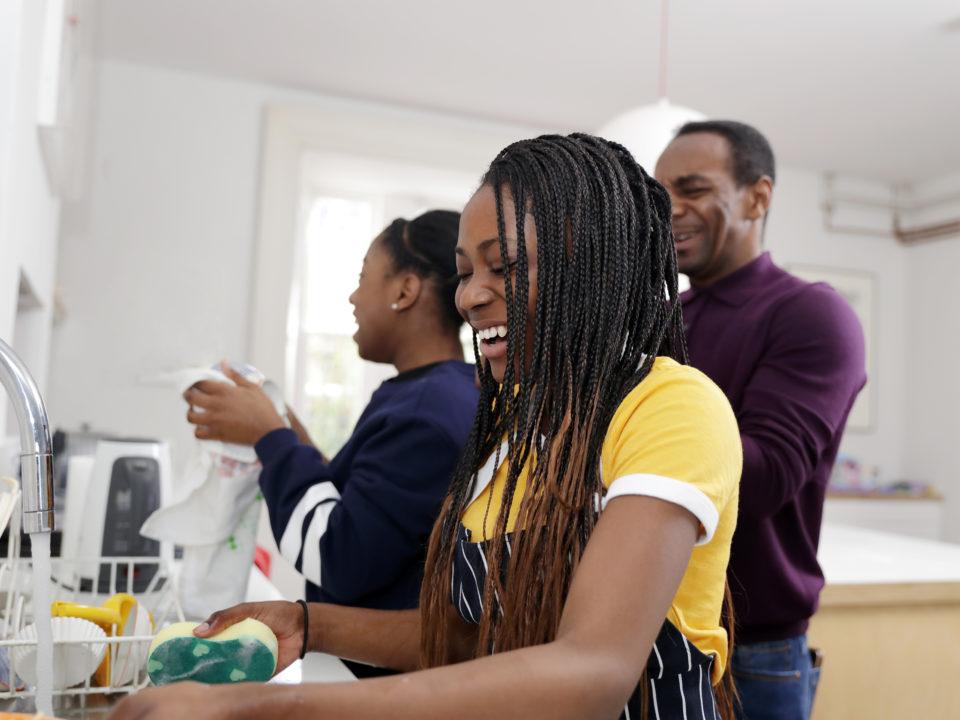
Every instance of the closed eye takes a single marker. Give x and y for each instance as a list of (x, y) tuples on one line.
[(509, 268)]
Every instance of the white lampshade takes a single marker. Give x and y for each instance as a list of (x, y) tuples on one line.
[(647, 130)]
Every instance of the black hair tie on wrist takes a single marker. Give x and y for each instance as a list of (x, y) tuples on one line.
[(306, 627)]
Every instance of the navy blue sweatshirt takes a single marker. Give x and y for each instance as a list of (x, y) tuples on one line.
[(357, 527)]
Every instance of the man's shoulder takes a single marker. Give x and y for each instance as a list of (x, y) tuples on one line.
[(807, 311), (803, 297)]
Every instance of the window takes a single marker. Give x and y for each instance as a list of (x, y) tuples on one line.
[(346, 203), (329, 375)]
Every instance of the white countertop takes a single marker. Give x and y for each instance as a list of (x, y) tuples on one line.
[(852, 556), (315, 667)]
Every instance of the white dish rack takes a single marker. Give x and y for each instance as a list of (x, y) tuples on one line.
[(70, 581)]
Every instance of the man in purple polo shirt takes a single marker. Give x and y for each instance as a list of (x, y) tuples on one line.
[(790, 357)]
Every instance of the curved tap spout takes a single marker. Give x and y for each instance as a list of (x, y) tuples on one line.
[(36, 450)]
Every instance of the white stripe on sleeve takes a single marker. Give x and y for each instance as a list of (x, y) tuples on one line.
[(310, 567), (292, 539), (684, 494)]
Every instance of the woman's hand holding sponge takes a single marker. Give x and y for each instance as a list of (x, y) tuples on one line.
[(248, 642)]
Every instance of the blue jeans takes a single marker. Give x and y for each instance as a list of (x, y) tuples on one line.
[(776, 680)]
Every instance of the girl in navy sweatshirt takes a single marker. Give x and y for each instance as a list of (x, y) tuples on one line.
[(357, 526)]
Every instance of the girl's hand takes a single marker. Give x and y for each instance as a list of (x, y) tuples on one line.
[(284, 618), (240, 413)]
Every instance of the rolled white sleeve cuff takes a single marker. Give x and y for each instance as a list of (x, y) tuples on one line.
[(674, 491)]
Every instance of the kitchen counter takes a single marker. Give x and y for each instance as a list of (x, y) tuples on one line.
[(315, 667), (888, 625), (917, 516), (855, 556)]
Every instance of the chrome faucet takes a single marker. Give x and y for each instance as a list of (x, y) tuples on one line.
[(36, 450)]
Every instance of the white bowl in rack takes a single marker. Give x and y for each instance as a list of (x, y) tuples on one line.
[(73, 662)]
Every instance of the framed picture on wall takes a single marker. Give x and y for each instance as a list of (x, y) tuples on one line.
[(856, 287)]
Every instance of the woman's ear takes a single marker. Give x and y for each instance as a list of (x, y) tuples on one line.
[(408, 291)]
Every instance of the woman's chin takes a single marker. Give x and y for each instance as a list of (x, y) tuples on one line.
[(497, 369)]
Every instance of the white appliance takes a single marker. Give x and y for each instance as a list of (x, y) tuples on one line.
[(108, 497)]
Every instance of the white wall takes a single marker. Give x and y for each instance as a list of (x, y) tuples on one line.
[(28, 212), (796, 234), (932, 422), (156, 264), (156, 259)]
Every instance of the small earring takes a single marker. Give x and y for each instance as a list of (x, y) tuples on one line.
[(394, 306)]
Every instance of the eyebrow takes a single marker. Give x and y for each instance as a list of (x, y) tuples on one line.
[(685, 180), (481, 247)]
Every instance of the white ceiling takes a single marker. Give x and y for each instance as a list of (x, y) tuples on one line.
[(863, 87)]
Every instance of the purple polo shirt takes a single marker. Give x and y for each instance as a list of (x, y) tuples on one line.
[(790, 357)]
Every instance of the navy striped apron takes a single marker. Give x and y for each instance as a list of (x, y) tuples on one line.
[(678, 674)]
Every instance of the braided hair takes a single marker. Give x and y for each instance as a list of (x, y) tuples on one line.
[(425, 246), (607, 304)]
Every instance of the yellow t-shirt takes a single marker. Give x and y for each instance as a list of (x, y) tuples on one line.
[(673, 437)]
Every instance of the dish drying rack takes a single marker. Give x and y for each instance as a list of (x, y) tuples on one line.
[(71, 581)]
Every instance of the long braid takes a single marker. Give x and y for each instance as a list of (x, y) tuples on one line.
[(607, 304)]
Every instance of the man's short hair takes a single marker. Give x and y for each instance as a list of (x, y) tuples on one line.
[(750, 151)]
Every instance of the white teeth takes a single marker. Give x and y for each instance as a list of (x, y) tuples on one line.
[(492, 333)]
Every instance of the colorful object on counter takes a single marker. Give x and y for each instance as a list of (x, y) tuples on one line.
[(849, 475), (120, 615), (245, 652), (5, 679), (73, 662), (851, 479)]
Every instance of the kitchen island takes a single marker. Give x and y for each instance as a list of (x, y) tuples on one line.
[(888, 626)]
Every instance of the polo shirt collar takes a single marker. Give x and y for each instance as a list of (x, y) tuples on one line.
[(737, 287)]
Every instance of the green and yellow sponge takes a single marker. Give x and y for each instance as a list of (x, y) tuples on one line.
[(245, 652)]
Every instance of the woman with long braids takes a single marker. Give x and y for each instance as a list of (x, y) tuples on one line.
[(577, 569)]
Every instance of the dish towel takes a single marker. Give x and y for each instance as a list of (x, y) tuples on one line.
[(216, 523)]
